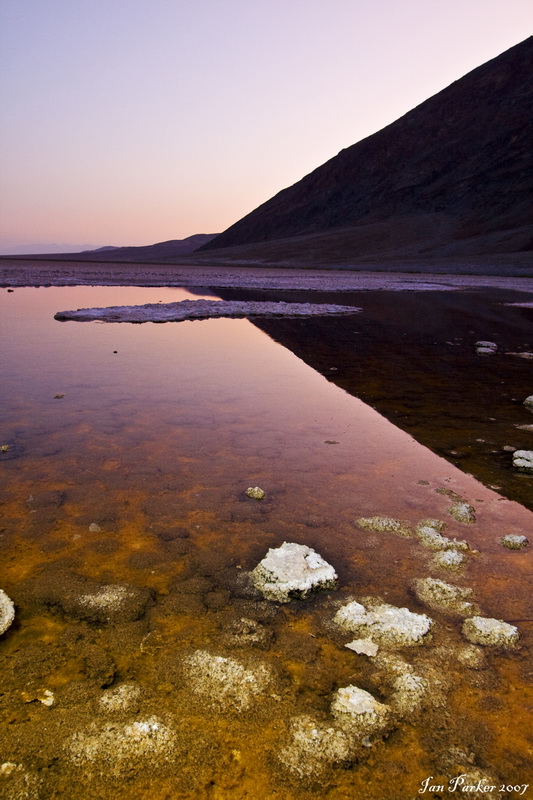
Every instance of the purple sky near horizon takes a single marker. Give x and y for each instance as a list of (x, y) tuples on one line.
[(136, 121)]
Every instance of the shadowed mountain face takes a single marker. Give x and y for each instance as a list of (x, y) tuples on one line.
[(451, 177)]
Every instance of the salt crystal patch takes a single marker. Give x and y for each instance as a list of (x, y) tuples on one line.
[(363, 646)]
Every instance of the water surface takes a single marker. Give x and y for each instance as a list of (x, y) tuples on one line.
[(130, 451)]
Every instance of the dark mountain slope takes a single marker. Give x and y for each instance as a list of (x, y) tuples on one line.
[(464, 155)]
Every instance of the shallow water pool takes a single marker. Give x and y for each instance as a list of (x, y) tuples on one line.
[(130, 449)]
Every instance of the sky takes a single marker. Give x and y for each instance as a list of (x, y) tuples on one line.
[(130, 122)]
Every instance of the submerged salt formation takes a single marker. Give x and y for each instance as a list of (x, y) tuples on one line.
[(109, 603), (292, 571), (472, 657), (410, 689), (463, 512), (448, 559), (429, 533), (385, 625), (408, 693), (312, 745), (123, 697), (7, 612), (490, 632), (444, 597), (358, 711), (117, 749), (385, 525), (514, 541), (202, 309), (255, 492), (225, 683)]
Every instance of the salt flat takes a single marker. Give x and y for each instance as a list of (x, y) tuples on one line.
[(32, 272)]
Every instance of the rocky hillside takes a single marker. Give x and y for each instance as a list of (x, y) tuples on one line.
[(451, 177)]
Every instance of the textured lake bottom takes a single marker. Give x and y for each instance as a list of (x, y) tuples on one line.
[(126, 478)]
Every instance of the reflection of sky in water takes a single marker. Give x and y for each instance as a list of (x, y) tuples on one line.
[(171, 429), (219, 398)]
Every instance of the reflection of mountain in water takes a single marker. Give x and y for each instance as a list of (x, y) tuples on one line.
[(411, 356)]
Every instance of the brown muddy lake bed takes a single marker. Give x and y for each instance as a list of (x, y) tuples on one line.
[(144, 663)]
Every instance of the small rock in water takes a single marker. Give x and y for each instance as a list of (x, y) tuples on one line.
[(490, 632), (528, 402), (292, 571), (9, 766), (94, 527), (363, 646), (486, 348), (256, 492), (514, 541), (7, 612), (44, 696), (523, 460)]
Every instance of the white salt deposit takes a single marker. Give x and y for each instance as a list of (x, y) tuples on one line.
[(490, 632), (384, 624), (359, 710), (203, 309), (225, 683), (7, 611), (292, 571)]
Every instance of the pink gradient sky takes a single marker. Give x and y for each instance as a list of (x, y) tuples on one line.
[(136, 121)]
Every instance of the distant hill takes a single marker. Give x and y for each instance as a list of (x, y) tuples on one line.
[(451, 178), (105, 249), (162, 251)]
